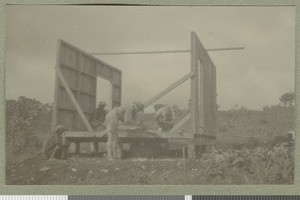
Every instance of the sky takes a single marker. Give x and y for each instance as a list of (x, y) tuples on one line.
[(254, 77)]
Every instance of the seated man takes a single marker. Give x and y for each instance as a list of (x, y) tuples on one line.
[(164, 117), (55, 147)]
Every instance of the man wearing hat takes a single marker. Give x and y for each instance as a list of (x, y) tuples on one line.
[(98, 116), (164, 117), (55, 147), (126, 114)]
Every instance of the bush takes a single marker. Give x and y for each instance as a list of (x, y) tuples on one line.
[(22, 118), (259, 165)]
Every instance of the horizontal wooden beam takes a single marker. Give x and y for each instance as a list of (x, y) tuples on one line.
[(140, 52), (73, 99), (76, 90), (165, 51), (190, 141), (135, 138), (168, 89), (149, 134), (226, 49)]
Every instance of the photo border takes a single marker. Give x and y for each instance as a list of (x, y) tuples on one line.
[(148, 189)]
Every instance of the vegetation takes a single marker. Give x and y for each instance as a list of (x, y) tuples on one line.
[(288, 98), (27, 121), (244, 153), (250, 165)]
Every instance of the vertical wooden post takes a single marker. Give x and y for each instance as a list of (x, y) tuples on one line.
[(78, 84), (77, 150), (214, 97), (201, 100), (120, 99), (56, 88), (96, 147), (54, 108), (194, 94), (111, 93), (184, 168), (94, 105), (120, 149)]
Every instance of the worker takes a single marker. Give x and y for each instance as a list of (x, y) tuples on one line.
[(164, 116), (55, 146), (98, 116), (126, 114)]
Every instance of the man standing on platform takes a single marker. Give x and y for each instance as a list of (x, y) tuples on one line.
[(126, 114)]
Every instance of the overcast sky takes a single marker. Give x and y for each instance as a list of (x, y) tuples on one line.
[(253, 78)]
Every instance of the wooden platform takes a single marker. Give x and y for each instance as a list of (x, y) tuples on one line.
[(139, 136), (131, 135)]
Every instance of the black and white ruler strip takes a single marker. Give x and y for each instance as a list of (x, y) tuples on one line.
[(188, 197), (90, 197), (33, 197), (121, 197), (246, 197), (146, 197)]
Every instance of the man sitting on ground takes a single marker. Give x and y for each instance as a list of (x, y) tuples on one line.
[(55, 147)]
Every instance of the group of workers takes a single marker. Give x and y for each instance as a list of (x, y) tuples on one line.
[(56, 147)]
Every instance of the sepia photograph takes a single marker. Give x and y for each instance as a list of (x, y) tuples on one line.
[(149, 95)]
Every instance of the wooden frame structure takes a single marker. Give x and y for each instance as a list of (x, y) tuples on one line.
[(203, 108), (71, 90), (76, 86)]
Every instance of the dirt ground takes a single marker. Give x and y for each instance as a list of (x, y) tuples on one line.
[(248, 165), (92, 169)]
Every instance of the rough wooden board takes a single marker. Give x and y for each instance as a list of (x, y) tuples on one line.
[(129, 128), (179, 141), (127, 134), (80, 71), (73, 99), (168, 89), (166, 134), (179, 124)]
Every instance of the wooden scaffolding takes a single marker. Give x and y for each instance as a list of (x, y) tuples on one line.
[(75, 98)]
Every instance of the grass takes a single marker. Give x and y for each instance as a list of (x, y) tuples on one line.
[(243, 152)]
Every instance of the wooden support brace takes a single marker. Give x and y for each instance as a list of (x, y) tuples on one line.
[(168, 89), (180, 123), (73, 99)]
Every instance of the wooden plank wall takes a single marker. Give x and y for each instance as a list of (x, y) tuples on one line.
[(207, 90), (80, 71)]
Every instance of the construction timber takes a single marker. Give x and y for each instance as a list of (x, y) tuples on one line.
[(76, 89)]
